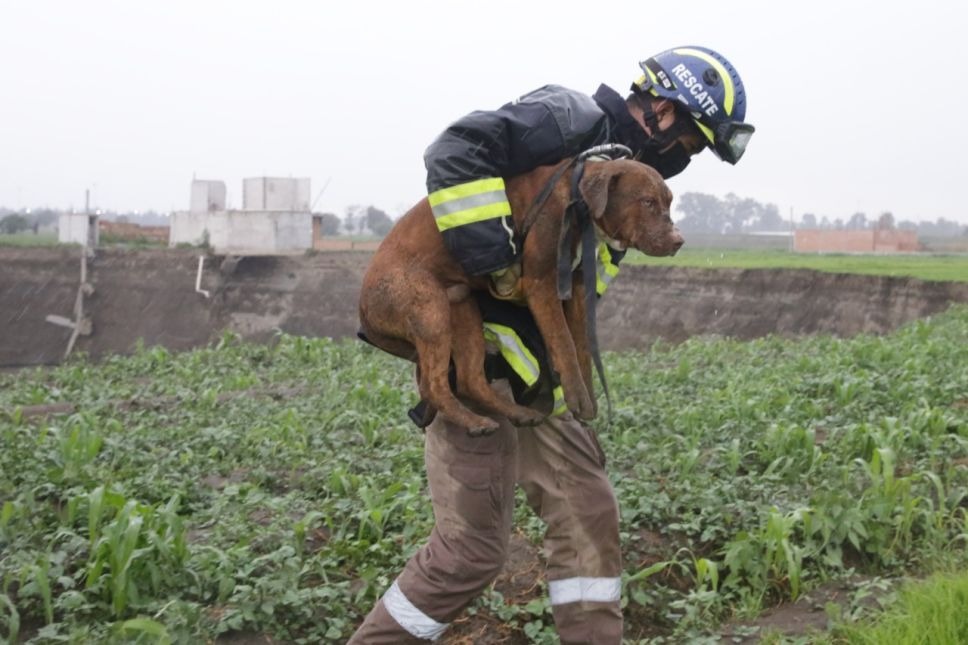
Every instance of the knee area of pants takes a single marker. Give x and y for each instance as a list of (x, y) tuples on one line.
[(591, 496), (484, 563), (485, 572), (475, 554)]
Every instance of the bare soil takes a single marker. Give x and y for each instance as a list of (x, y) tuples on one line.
[(149, 296)]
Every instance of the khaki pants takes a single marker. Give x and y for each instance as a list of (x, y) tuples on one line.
[(560, 466)]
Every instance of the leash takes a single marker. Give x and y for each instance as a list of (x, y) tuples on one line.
[(578, 220), (532, 215)]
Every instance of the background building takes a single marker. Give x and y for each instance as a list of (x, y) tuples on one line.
[(77, 228), (808, 240), (274, 219)]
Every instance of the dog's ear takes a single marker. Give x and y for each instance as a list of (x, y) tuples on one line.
[(598, 181)]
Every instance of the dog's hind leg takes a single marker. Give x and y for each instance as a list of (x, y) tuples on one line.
[(429, 322), (408, 314), (390, 344), (467, 350)]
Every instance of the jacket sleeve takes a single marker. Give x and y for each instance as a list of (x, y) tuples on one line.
[(467, 164)]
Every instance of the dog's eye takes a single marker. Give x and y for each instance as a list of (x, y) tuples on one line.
[(649, 202)]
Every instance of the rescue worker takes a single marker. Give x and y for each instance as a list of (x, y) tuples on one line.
[(687, 99)]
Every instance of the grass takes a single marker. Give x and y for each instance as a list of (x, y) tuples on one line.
[(922, 266), (940, 267), (29, 239), (932, 611), (278, 489)]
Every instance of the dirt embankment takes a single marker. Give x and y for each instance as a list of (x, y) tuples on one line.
[(150, 295)]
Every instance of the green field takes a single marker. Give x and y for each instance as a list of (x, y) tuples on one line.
[(29, 239), (279, 489), (923, 266), (943, 267), (928, 611)]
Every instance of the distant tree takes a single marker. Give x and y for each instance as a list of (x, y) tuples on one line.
[(14, 224), (809, 220), (44, 216), (838, 223), (378, 222), (702, 213), (770, 219), (886, 221), (939, 228), (349, 221), (825, 222), (741, 213), (733, 214), (330, 224), (857, 221)]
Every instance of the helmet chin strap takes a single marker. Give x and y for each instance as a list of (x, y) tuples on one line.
[(649, 116), (662, 138)]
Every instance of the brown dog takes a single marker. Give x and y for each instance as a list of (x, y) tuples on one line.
[(415, 297)]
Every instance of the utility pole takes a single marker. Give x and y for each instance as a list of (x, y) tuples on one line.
[(793, 230)]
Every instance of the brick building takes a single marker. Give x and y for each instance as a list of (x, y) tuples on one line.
[(807, 240)]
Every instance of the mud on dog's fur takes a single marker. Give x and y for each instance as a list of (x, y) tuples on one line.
[(415, 297)]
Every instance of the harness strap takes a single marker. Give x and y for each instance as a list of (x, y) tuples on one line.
[(532, 216), (578, 217)]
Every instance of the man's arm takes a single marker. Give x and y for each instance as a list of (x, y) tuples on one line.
[(467, 164)]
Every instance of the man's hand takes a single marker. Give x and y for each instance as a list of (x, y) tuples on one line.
[(505, 284)]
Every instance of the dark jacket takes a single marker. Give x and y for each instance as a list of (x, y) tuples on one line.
[(466, 167), (467, 163)]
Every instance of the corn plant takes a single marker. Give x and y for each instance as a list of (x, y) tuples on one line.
[(279, 488)]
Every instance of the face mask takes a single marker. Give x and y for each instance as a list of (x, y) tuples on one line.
[(669, 163), (673, 161)]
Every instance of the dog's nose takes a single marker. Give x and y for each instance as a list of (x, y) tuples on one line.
[(677, 242)]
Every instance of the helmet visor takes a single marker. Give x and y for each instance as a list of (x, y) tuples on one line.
[(731, 139)]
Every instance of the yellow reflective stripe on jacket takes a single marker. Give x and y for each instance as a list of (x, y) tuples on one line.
[(605, 270), (519, 357), (559, 407), (474, 201)]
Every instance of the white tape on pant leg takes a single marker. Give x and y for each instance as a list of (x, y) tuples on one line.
[(585, 590), (409, 617)]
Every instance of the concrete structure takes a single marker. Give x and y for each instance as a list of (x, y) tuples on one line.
[(244, 232), (77, 228), (862, 241), (284, 226), (207, 196), (275, 194)]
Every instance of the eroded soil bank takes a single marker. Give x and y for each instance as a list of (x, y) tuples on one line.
[(149, 294)]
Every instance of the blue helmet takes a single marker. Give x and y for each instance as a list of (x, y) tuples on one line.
[(710, 90)]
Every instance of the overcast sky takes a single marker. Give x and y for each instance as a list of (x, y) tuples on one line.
[(858, 105)]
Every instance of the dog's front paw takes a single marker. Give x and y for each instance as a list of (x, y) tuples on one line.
[(482, 427), (584, 408), (522, 416), (577, 399)]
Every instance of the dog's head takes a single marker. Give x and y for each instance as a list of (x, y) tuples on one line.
[(629, 202)]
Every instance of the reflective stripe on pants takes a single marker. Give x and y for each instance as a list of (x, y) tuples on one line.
[(562, 471), (561, 468)]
